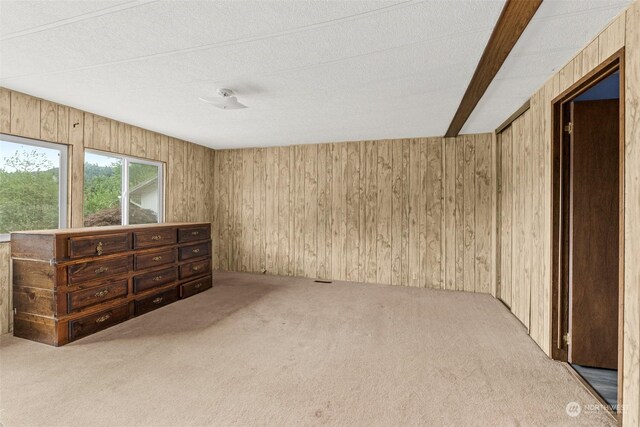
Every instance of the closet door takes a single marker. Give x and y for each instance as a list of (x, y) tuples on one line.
[(594, 234)]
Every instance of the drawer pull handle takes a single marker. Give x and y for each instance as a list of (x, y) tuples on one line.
[(195, 233), (101, 293), (158, 300), (195, 251), (99, 248), (195, 268), (157, 258), (101, 270), (156, 237), (198, 285), (103, 318), (157, 278)]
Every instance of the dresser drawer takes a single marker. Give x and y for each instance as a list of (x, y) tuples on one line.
[(195, 286), (98, 269), (192, 234), (154, 278), (98, 245), (150, 303), (96, 295), (153, 238), (195, 251), (193, 269), (154, 259), (96, 322)]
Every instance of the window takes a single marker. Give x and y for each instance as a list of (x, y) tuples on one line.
[(33, 185), (120, 190)]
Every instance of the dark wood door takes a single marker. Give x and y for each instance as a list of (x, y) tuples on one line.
[(594, 234)]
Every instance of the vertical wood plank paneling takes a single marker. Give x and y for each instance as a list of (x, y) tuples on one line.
[(415, 190), (612, 38), (293, 187), (338, 211), (236, 189), (506, 219), (483, 215), (528, 217), (258, 259), (247, 209), (546, 309), (566, 77), (353, 241), (139, 144), (577, 66), (284, 211), (124, 139), (214, 193), (88, 130), (537, 176), (450, 207), (310, 218), (434, 213), (422, 213), (76, 172), (498, 212), (271, 210), (384, 212), (323, 170), (63, 124), (190, 181), (590, 57), (406, 190), (362, 248), (370, 184), (298, 212), (48, 121), (25, 115), (6, 314), (223, 203), (285, 207), (5, 110), (469, 213), (326, 211), (154, 147), (460, 214), (101, 133), (517, 239), (396, 212), (631, 369)]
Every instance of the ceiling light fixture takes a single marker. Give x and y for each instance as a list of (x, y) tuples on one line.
[(225, 100)]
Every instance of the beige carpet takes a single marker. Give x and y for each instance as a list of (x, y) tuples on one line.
[(261, 350)]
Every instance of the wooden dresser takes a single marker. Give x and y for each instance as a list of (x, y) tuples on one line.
[(70, 283)]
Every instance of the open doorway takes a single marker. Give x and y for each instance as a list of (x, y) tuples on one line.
[(588, 220)]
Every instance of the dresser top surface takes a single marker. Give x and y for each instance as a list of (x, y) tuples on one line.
[(108, 229)]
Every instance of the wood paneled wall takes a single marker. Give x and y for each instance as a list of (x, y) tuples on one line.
[(189, 176), (631, 372), (524, 187), (413, 212)]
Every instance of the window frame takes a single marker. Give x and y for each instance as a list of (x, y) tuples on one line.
[(63, 176), (124, 190)]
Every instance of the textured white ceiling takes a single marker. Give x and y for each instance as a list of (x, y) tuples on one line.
[(310, 71), (559, 29)]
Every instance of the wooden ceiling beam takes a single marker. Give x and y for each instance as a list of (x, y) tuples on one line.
[(514, 18)]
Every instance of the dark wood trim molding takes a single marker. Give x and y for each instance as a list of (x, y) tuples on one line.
[(520, 111), (514, 18)]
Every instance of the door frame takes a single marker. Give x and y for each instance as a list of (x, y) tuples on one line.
[(559, 211)]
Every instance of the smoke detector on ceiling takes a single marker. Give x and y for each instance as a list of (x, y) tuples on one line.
[(225, 100)]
